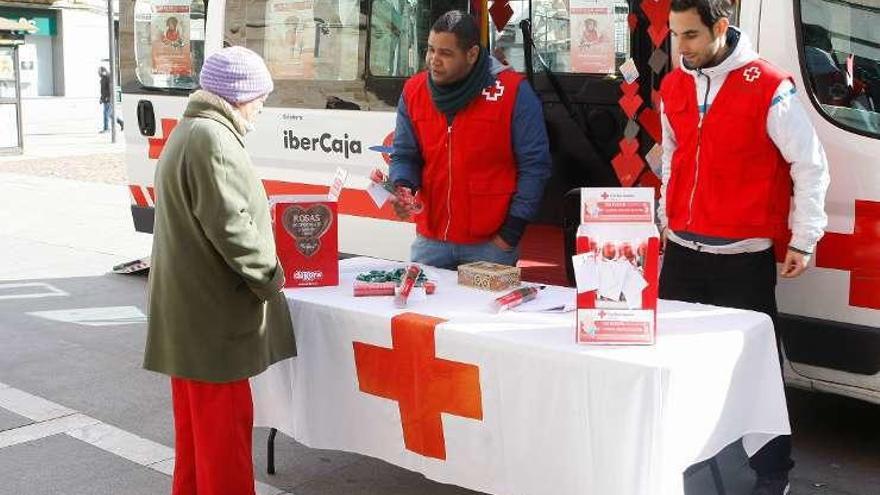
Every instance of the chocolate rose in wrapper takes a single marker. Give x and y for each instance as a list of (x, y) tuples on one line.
[(407, 282), (404, 196), (400, 194), (516, 297)]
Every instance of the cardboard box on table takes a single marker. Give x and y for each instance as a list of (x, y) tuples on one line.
[(307, 239), (617, 267)]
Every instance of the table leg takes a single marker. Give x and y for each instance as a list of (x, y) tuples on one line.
[(270, 462)]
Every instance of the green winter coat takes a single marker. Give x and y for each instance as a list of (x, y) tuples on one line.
[(216, 311)]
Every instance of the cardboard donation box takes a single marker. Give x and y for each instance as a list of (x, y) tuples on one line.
[(617, 266), (307, 240)]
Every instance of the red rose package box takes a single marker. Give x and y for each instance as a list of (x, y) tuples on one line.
[(307, 240), (617, 266)]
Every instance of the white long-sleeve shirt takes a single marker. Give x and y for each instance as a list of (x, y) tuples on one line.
[(790, 129)]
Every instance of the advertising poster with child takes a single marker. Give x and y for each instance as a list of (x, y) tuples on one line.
[(170, 38), (592, 37), (290, 39)]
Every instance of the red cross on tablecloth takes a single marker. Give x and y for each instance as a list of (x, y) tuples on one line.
[(156, 144), (423, 385), (858, 253)]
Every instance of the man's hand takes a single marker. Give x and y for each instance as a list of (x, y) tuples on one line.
[(663, 238), (501, 243), (403, 203), (795, 263)]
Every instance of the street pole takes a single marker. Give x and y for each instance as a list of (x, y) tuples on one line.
[(111, 32)]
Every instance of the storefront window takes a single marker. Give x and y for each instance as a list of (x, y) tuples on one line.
[(8, 122), (36, 56), (169, 42), (306, 39), (399, 34), (8, 101), (582, 36), (841, 48), (7, 74)]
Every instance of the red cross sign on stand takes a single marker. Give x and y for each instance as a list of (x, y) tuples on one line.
[(423, 385)]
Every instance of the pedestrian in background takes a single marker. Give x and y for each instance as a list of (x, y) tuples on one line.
[(104, 75), (217, 315)]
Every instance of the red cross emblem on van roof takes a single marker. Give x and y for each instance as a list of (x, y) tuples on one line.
[(858, 253), (423, 385)]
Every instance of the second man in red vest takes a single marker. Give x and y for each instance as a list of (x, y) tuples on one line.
[(737, 148)]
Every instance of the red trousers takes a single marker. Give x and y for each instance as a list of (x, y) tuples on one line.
[(213, 428)]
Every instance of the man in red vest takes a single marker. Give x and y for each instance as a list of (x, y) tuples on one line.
[(737, 145), (470, 139)]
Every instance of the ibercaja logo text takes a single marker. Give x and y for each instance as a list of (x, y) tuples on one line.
[(325, 143)]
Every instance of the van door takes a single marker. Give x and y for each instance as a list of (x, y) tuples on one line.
[(161, 49), (831, 326), (604, 130)]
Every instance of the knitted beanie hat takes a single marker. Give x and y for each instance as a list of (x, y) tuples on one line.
[(236, 74)]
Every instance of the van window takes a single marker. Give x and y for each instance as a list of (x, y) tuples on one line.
[(507, 44), (169, 42), (582, 36), (841, 56), (306, 40), (399, 34)]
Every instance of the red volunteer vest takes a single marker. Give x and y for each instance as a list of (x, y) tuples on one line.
[(728, 179), (469, 172)]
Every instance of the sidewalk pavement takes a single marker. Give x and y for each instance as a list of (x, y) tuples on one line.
[(40, 146), (87, 157)]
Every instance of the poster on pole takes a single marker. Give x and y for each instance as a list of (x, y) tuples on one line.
[(592, 37), (170, 37), (290, 39)]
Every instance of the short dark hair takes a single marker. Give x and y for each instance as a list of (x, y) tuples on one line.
[(462, 25), (710, 10)]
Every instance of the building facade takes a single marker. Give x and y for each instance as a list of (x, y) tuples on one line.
[(59, 63)]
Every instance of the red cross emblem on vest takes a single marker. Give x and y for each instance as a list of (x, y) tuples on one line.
[(858, 253), (156, 144), (492, 93), (423, 385), (752, 74)]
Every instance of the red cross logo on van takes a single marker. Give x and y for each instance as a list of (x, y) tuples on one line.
[(858, 253), (492, 93), (156, 144), (752, 74)]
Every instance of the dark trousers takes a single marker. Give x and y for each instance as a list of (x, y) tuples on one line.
[(745, 281)]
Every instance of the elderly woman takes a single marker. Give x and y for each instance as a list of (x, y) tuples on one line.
[(217, 314)]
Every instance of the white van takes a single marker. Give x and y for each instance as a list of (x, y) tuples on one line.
[(339, 67)]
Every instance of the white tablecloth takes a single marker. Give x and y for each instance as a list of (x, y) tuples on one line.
[(556, 417)]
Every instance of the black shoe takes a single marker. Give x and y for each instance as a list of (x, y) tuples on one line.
[(771, 486)]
